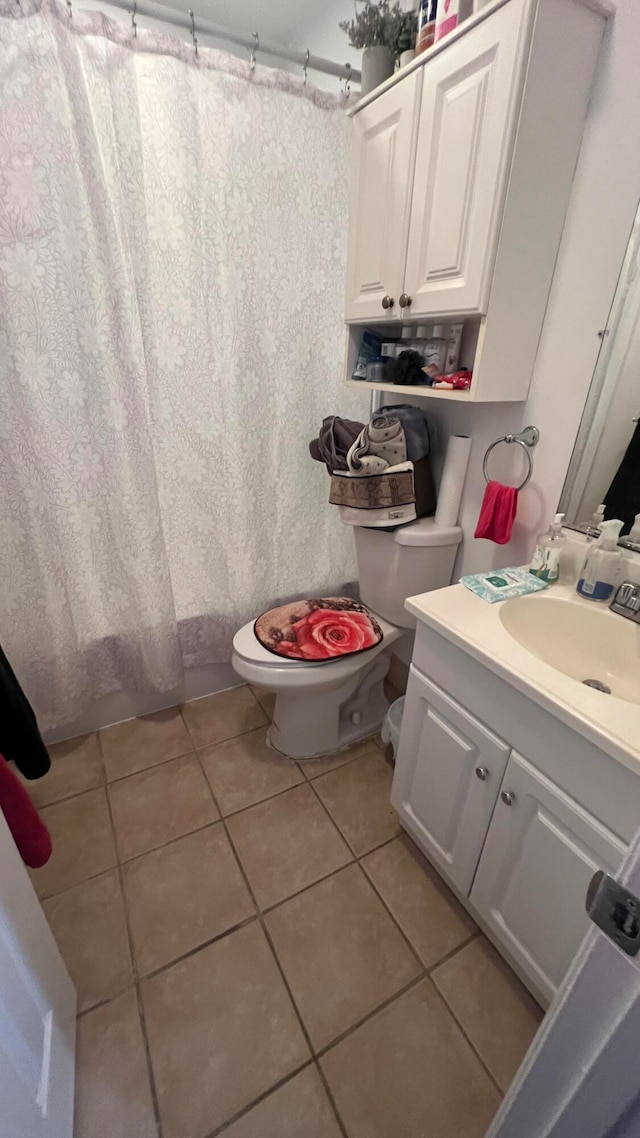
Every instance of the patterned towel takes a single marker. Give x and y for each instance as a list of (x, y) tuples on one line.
[(381, 444)]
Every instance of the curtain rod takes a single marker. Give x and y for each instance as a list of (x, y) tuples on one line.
[(158, 11)]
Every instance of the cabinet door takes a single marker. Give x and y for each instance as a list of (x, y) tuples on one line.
[(448, 772), (383, 151), (541, 852), (470, 95)]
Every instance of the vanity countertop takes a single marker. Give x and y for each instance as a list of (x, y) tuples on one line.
[(476, 627)]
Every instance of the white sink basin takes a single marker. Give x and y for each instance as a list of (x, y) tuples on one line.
[(581, 639)]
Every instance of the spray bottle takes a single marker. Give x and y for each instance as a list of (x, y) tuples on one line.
[(602, 565)]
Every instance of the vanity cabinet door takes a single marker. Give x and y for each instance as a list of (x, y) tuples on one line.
[(470, 96), (448, 773), (541, 852), (381, 176)]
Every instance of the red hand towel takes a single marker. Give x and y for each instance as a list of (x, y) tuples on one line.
[(497, 513), (28, 830)]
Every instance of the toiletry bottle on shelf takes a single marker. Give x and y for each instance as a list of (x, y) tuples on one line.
[(426, 24), (435, 353), (602, 566), (450, 13), (549, 546)]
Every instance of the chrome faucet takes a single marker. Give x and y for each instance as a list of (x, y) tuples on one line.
[(626, 601)]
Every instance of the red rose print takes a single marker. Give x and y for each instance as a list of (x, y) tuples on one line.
[(289, 648), (326, 632)]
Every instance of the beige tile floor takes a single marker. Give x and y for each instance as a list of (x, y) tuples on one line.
[(258, 950)]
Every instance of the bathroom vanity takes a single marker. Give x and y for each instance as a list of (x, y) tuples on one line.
[(516, 780)]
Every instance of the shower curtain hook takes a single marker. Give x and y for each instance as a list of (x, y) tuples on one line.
[(304, 69), (254, 50), (193, 31), (133, 19)]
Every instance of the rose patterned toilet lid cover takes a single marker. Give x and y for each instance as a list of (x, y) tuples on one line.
[(319, 628)]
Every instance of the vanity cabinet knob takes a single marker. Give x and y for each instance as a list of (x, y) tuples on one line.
[(482, 773), (404, 301), (507, 797), (387, 302)]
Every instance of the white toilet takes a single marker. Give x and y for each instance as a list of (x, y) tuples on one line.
[(323, 707)]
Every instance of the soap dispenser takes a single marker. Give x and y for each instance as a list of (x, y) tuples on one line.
[(601, 570), (597, 518), (634, 534), (549, 546)]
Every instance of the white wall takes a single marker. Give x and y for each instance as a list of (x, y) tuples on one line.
[(602, 208)]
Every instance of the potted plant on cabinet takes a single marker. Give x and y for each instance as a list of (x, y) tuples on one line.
[(383, 30)]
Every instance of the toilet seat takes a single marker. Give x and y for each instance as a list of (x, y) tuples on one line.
[(257, 658)]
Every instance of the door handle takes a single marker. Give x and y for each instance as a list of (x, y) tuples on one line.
[(482, 773)]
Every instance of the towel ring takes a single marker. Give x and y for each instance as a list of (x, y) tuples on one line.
[(527, 439)]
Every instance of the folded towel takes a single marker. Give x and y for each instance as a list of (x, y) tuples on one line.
[(415, 427), (497, 513), (394, 487), (379, 445), (334, 439), (398, 468)]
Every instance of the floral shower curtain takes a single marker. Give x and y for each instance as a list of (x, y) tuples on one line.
[(172, 242)]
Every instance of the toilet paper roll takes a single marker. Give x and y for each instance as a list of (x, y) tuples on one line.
[(452, 481)]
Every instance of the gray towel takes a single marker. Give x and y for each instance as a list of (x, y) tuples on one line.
[(334, 439)]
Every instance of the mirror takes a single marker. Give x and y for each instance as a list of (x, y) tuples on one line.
[(605, 465)]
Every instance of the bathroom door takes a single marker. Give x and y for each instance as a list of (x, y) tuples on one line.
[(581, 1076), (37, 1012)]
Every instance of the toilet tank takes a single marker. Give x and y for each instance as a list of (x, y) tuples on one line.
[(396, 564)]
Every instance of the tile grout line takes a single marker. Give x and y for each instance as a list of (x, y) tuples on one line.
[(134, 967), (454, 952), (413, 983), (151, 767), (471, 1044), (203, 746), (275, 956), (256, 1102)]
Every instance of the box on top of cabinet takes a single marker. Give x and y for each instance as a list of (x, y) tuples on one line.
[(462, 168)]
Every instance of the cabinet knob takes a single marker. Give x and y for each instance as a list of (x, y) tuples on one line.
[(482, 773), (387, 302), (404, 301), (507, 797)]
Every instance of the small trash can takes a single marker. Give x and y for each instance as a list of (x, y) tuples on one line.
[(392, 724)]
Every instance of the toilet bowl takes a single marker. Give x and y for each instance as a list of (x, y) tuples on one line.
[(325, 706)]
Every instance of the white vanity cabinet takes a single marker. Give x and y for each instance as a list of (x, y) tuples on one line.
[(541, 851), (462, 167), (513, 807), (448, 773)]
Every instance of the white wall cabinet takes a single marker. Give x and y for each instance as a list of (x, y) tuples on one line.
[(383, 157), (461, 174), (448, 774), (462, 158), (542, 850)]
